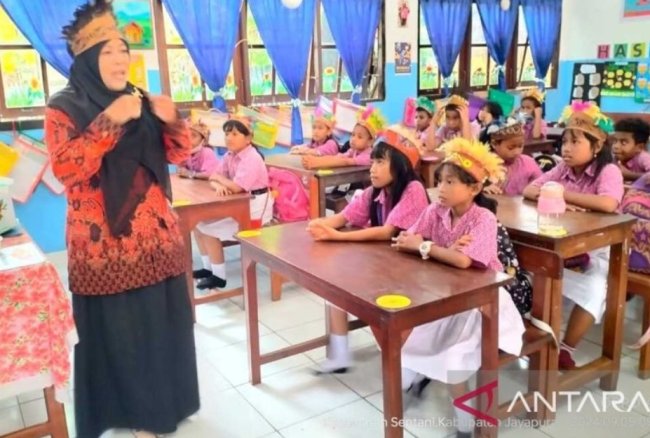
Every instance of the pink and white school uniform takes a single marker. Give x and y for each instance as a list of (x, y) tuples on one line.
[(522, 171), (444, 133), (640, 163), (329, 147), (361, 158), (203, 162), (449, 349), (528, 130), (246, 169), (403, 215), (588, 289)]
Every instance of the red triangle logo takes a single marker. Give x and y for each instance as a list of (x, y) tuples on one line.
[(489, 389)]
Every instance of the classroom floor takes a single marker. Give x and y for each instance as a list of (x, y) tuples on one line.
[(292, 402)]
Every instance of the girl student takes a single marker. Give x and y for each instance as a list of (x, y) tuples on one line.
[(203, 161), (392, 203), (531, 114), (370, 122), (489, 114), (591, 181), (322, 132), (457, 124), (460, 230), (507, 141), (425, 110), (242, 170)]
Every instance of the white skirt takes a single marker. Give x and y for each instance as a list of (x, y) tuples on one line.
[(589, 289), (225, 229), (449, 349)]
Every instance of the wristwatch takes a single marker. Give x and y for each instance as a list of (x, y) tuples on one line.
[(425, 248)]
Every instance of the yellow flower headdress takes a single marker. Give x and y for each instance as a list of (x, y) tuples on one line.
[(475, 158), (587, 117), (534, 93), (371, 119), (458, 101)]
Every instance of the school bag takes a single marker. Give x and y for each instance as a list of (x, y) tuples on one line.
[(520, 288), (637, 203), (291, 203)]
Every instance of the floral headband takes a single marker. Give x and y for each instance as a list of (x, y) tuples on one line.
[(323, 117), (587, 117), (371, 119), (475, 158)]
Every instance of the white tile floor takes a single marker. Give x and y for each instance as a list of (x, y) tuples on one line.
[(292, 402)]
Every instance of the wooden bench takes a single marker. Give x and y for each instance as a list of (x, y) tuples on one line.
[(639, 284)]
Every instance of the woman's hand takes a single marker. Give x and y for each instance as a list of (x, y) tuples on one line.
[(320, 231), (461, 243), (220, 189), (407, 241), (163, 107), (124, 109)]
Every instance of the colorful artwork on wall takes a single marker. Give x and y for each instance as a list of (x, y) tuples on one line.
[(9, 33), (619, 79), (642, 89), (22, 78), (636, 8), (134, 20)]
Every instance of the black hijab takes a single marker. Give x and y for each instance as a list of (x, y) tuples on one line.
[(138, 159)]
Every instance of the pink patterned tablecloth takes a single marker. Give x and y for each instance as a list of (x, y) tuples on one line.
[(37, 331)]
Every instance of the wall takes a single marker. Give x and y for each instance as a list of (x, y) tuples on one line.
[(583, 30)]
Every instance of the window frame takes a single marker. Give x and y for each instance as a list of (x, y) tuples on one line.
[(465, 67)]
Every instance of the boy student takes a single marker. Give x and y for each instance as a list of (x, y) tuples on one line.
[(630, 143)]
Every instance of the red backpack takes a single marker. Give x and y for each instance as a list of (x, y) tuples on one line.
[(291, 202)]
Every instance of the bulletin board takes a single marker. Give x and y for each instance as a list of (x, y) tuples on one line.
[(619, 79), (642, 85), (587, 82)]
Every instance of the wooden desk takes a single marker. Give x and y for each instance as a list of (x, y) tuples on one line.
[(318, 180), (40, 283), (196, 201), (328, 269), (586, 232), (545, 146)]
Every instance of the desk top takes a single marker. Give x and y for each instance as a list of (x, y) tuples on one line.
[(294, 163), (187, 191), (360, 272)]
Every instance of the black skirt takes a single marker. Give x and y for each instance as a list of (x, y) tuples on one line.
[(135, 364)]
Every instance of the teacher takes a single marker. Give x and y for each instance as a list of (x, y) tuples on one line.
[(110, 145)]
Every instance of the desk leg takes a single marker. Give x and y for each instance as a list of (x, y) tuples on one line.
[(55, 415), (391, 366), (614, 313), (186, 232), (322, 196), (249, 272), (314, 197), (488, 376)]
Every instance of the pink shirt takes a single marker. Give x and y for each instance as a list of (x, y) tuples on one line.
[(403, 215), (361, 158), (640, 163), (328, 148), (435, 225), (246, 169), (444, 133), (204, 161), (608, 183), (521, 172), (528, 130)]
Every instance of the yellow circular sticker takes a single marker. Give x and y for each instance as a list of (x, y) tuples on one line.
[(325, 172), (250, 233), (393, 301), (181, 202)]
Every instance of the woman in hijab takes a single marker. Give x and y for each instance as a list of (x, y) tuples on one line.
[(110, 145)]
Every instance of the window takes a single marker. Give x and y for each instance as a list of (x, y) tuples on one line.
[(27, 80), (180, 77), (475, 69), (330, 77)]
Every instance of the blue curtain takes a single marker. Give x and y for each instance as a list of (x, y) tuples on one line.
[(41, 22), (287, 35), (353, 25), (209, 30), (498, 28), (446, 22), (543, 20)]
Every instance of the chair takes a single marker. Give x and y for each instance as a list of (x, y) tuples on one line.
[(639, 284)]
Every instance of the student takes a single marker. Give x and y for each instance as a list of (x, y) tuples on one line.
[(490, 113), (425, 111), (457, 124), (531, 114), (322, 141), (630, 143), (460, 230), (370, 123), (507, 141), (203, 161), (591, 182), (242, 170), (393, 203)]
